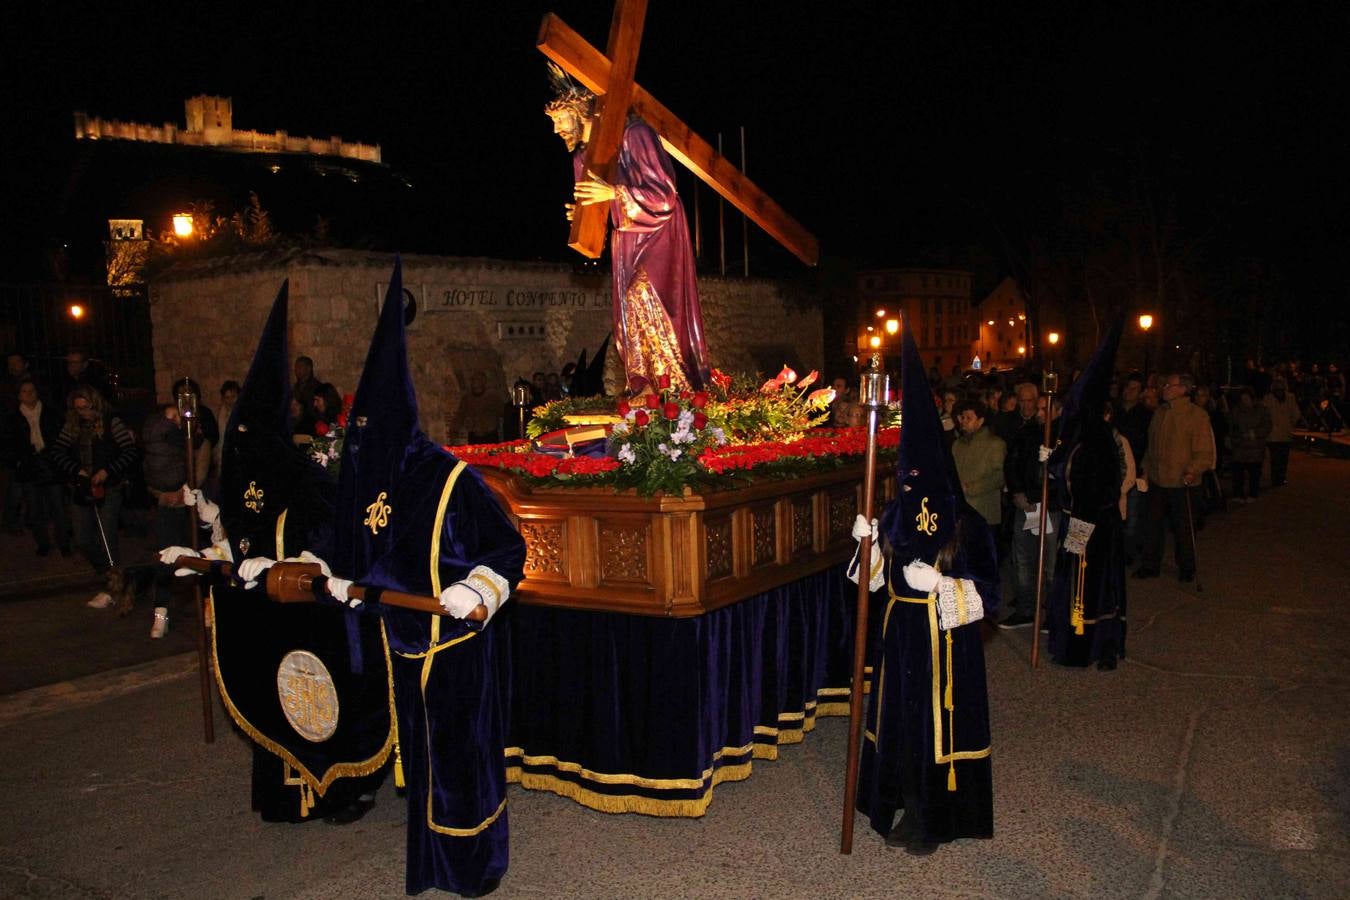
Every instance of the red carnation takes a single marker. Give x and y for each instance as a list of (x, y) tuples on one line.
[(342, 419), (700, 420), (321, 428), (653, 401), (663, 381), (624, 407), (700, 400), (642, 418), (348, 400), (672, 410)]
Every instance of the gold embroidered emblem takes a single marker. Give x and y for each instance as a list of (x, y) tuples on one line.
[(253, 497), (927, 520), (308, 698), (377, 514)]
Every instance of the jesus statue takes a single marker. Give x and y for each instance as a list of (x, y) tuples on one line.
[(658, 323)]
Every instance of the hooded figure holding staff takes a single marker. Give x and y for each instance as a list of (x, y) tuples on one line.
[(926, 747)]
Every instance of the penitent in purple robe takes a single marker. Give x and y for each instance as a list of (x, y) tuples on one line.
[(658, 323)]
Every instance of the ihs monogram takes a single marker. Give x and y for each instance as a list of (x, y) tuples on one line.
[(253, 497), (377, 513), (927, 520)]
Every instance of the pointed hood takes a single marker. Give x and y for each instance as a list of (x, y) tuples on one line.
[(922, 518), (383, 441), (263, 473), (1088, 395), (264, 402)]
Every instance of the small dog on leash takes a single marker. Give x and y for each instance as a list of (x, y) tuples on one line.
[(126, 585)]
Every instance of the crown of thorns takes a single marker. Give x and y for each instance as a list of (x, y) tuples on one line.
[(567, 94)]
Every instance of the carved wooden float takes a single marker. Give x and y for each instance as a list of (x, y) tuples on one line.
[(680, 556)]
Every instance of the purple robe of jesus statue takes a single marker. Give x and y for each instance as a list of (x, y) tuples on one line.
[(658, 323)]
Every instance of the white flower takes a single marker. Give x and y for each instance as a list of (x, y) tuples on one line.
[(681, 436), (626, 454), (686, 419), (620, 429), (672, 452), (718, 435)]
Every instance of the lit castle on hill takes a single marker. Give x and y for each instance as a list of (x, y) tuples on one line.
[(210, 123)]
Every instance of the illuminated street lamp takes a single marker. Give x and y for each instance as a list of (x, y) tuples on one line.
[(892, 326), (76, 311), (881, 314), (874, 341), (182, 224), (1021, 349)]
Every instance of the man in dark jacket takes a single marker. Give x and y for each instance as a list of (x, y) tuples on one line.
[(1022, 470)]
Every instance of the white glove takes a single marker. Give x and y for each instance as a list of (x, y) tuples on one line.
[(308, 557), (251, 569), (861, 529), (921, 576), (459, 600), (338, 587), (1043, 453), (207, 511), (169, 556)]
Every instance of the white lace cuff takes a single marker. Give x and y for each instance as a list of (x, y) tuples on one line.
[(487, 584), (958, 603)]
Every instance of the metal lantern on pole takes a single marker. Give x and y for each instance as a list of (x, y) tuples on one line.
[(1145, 323), (872, 394), (1049, 386), (186, 399)]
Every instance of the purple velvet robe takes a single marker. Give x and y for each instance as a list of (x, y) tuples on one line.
[(658, 323)]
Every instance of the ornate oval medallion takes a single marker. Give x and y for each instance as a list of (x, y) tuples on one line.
[(308, 697)]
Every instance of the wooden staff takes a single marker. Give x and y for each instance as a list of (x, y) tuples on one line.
[(187, 409), (292, 582), (871, 395), (1050, 380)]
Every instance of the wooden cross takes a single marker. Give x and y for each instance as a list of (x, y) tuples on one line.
[(610, 78)]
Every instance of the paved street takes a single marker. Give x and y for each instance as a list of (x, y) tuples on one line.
[(1214, 763)]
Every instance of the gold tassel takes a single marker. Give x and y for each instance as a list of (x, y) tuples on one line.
[(1076, 612), (947, 696), (951, 776), (398, 769)]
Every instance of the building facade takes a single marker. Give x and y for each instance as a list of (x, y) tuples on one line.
[(937, 305)]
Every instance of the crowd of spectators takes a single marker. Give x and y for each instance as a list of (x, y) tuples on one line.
[(1187, 447), (74, 469)]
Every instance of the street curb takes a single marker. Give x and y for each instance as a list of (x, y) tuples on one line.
[(91, 689), (41, 587)]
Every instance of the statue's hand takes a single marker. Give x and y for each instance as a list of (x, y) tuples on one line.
[(570, 210), (593, 190)]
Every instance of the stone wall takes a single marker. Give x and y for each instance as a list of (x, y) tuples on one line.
[(507, 319)]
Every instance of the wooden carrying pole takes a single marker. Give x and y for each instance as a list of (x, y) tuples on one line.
[(203, 659), (289, 582), (872, 395), (1040, 558)]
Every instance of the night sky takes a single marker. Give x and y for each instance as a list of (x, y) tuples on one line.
[(899, 133)]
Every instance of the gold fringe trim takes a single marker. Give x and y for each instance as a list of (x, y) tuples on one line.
[(627, 803), (516, 760), (337, 770)]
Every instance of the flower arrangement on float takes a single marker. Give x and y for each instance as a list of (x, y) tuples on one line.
[(325, 448), (669, 441)]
